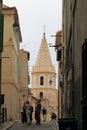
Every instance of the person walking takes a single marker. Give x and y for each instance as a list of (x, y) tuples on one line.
[(24, 114), (31, 112), (27, 109), (44, 113), (37, 112)]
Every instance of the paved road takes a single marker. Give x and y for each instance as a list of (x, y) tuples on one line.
[(33, 126)]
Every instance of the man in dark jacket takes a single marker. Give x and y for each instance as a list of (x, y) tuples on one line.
[(37, 112), (31, 112)]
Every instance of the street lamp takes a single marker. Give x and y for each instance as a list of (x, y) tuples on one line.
[(58, 51), (15, 26)]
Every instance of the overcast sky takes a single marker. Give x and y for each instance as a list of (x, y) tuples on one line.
[(33, 15)]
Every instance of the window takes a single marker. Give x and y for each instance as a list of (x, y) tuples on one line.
[(41, 80), (41, 95)]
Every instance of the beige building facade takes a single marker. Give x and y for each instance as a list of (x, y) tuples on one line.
[(44, 80), (10, 83), (24, 77)]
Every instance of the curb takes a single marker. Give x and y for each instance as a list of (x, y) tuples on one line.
[(6, 125)]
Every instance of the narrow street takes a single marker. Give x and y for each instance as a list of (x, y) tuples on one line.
[(44, 126)]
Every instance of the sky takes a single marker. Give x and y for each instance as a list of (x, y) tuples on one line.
[(33, 15)]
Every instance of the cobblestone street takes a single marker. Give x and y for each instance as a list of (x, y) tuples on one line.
[(33, 126)]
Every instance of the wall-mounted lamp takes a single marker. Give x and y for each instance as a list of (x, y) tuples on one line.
[(58, 51), (58, 57), (58, 44), (15, 26)]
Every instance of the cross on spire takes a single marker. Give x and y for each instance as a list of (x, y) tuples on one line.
[(44, 30)]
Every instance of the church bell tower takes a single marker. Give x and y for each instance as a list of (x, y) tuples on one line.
[(44, 78)]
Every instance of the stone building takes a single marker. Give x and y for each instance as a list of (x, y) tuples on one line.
[(44, 80), (24, 77), (10, 83), (59, 47), (75, 64)]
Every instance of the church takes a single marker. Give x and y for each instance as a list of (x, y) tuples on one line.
[(44, 80)]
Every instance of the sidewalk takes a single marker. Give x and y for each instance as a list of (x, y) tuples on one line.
[(6, 125)]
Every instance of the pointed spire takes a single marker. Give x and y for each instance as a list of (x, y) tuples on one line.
[(43, 61), (43, 58)]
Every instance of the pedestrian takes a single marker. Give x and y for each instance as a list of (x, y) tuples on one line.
[(37, 112), (22, 119), (27, 109), (44, 113), (31, 112), (24, 114)]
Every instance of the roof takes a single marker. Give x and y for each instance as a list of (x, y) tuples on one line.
[(12, 11), (43, 61), (5, 7)]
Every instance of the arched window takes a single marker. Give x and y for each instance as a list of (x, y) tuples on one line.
[(41, 80), (41, 95)]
